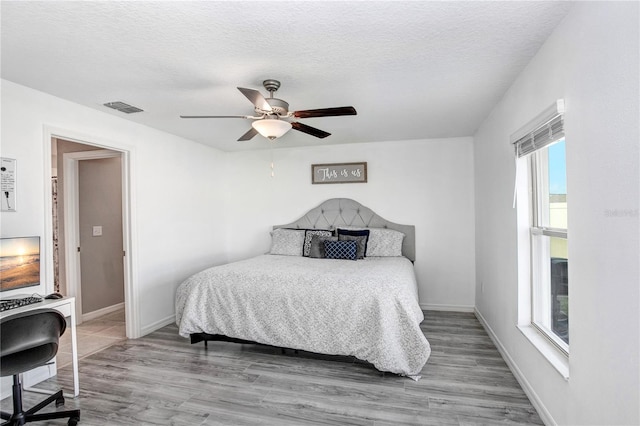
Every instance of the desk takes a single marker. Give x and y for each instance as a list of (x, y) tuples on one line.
[(67, 307)]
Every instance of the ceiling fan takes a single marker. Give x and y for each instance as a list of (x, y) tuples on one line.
[(273, 119)]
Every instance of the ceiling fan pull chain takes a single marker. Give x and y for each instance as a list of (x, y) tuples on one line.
[(271, 142)]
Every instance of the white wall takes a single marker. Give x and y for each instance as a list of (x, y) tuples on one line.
[(591, 60), (177, 198), (427, 183)]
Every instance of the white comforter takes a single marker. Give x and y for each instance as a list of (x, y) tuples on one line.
[(366, 308)]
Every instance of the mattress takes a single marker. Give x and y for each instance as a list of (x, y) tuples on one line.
[(367, 308)]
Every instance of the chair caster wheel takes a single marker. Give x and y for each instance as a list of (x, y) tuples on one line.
[(60, 401), (73, 421)]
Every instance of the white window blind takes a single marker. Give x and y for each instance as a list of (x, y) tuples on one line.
[(545, 129)]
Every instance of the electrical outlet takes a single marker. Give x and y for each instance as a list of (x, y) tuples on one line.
[(97, 231)]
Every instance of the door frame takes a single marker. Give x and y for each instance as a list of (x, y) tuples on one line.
[(127, 154), (71, 201)]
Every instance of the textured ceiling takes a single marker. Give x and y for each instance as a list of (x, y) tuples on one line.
[(412, 70)]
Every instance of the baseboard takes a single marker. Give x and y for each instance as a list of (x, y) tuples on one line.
[(157, 325), (453, 308), (100, 312), (544, 414)]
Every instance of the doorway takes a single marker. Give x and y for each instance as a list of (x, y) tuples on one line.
[(93, 231), (100, 282)]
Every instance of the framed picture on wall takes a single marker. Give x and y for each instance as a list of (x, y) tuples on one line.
[(339, 173)]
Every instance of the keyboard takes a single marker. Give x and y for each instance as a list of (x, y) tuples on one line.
[(7, 304)]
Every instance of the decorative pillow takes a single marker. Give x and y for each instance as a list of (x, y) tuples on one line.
[(317, 246), (358, 236), (288, 242), (341, 249), (308, 234), (382, 242)]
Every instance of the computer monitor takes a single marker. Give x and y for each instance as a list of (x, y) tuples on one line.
[(19, 262)]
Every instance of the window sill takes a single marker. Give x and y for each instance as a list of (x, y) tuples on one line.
[(556, 358)]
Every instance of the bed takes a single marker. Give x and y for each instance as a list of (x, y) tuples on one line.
[(326, 303)]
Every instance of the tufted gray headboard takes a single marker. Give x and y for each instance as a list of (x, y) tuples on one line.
[(337, 212)]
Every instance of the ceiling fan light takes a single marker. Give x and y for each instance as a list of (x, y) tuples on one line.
[(271, 128)]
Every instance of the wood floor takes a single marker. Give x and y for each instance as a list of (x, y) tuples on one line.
[(162, 379)]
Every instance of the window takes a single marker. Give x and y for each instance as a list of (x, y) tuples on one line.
[(549, 256), (541, 145)]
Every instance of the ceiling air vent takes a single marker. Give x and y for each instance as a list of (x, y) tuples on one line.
[(122, 107)]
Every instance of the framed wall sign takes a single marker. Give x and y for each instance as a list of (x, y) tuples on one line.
[(339, 173), (8, 184)]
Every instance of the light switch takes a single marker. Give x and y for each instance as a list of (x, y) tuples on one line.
[(97, 231)]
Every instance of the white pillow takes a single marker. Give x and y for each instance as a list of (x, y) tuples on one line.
[(382, 242), (288, 242)]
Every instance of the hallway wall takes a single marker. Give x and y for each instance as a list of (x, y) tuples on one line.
[(100, 205)]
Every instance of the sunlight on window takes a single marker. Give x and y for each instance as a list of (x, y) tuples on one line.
[(549, 242)]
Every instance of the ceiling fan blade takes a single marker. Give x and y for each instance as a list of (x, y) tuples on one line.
[(250, 134), (215, 116), (256, 98), (325, 112), (310, 130)]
